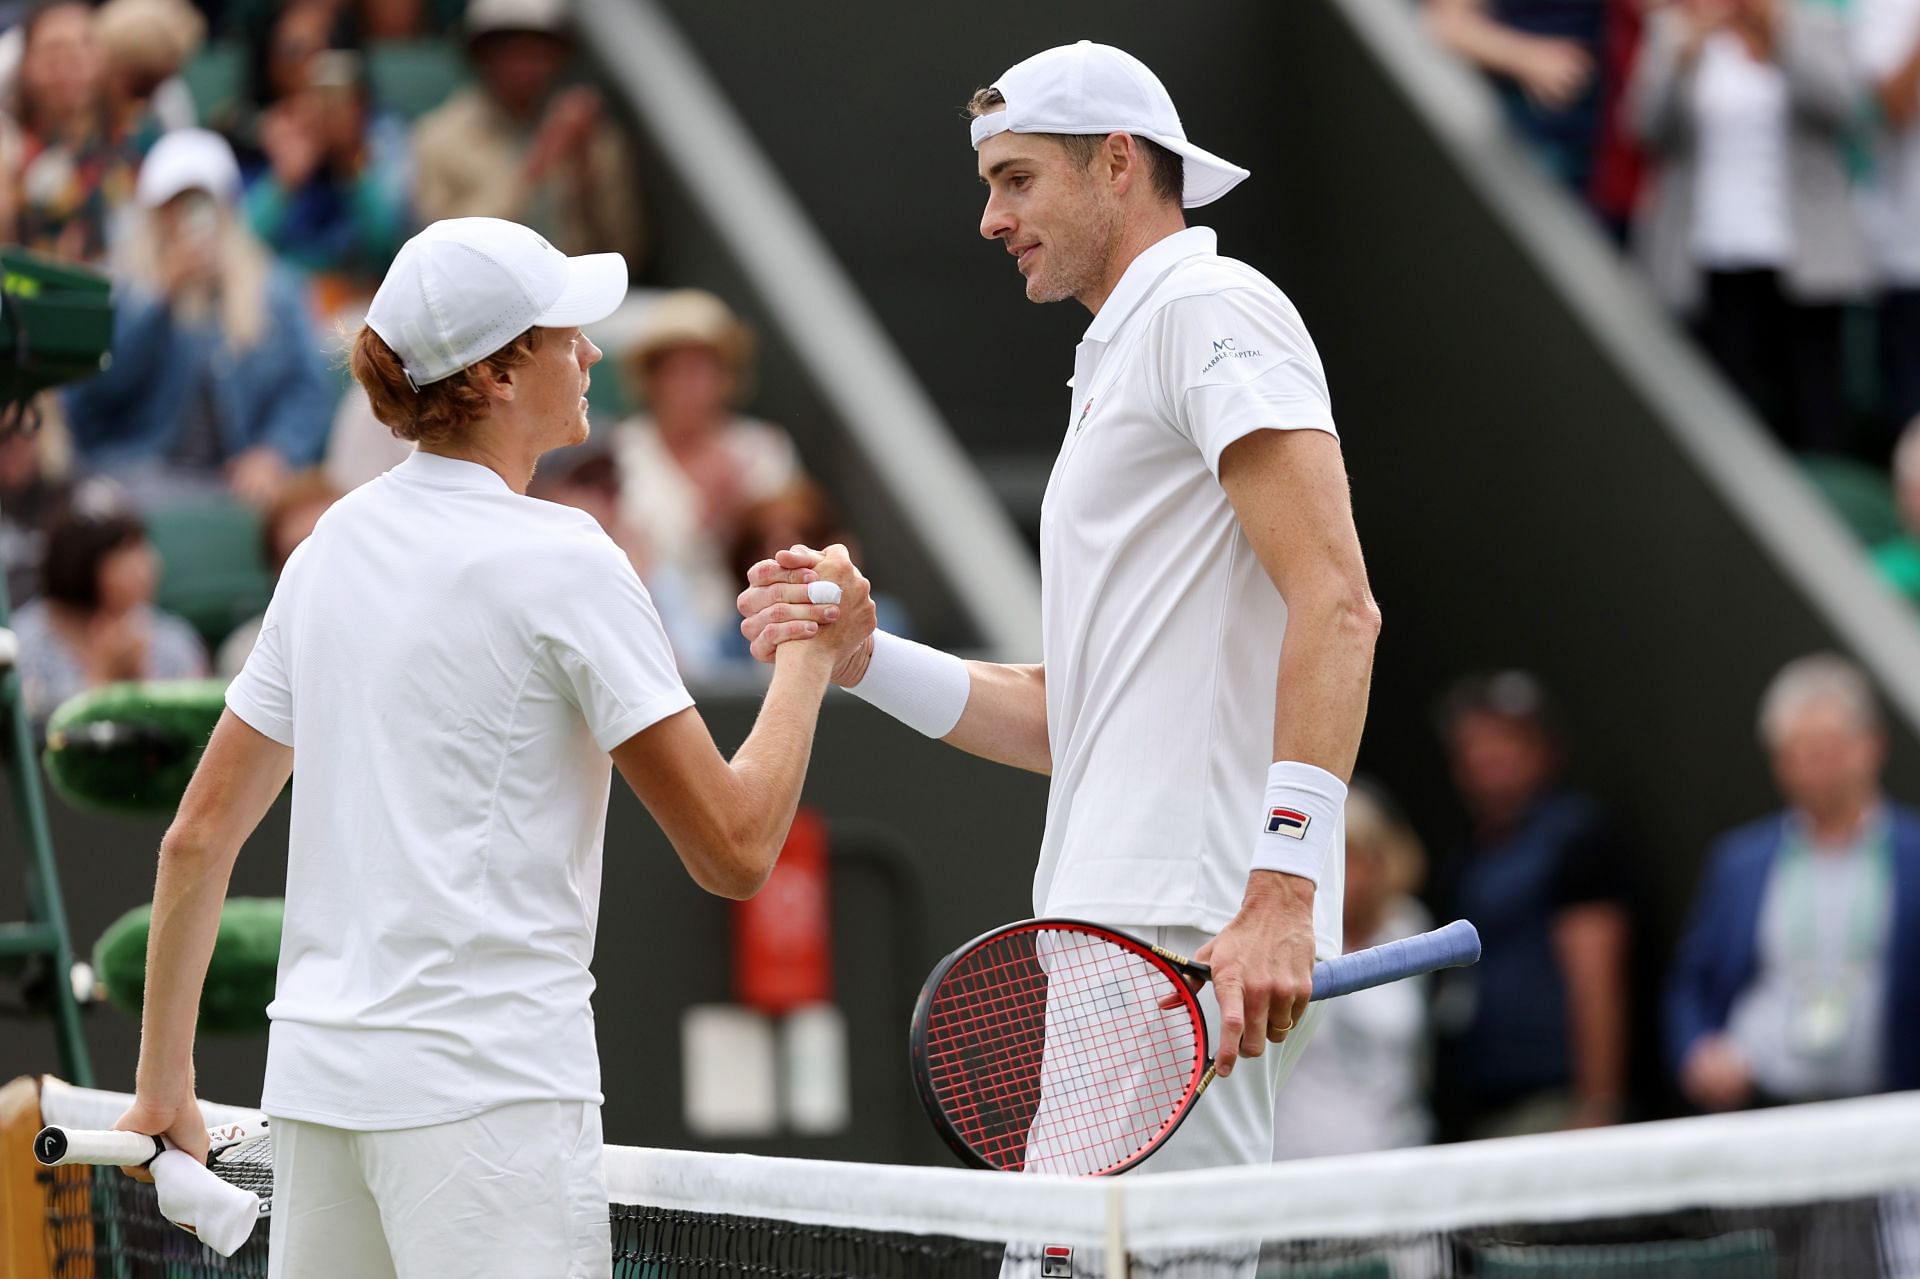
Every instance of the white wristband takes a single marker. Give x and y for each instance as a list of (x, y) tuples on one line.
[(922, 687), (1302, 816)]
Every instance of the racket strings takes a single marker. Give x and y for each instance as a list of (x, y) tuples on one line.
[(1048, 1050), (248, 1165)]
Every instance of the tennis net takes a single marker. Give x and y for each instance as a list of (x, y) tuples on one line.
[(1830, 1190)]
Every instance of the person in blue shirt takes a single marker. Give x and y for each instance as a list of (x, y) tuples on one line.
[(217, 384), (1536, 1034), (1798, 977)]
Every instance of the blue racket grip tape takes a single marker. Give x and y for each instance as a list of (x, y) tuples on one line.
[(1455, 946)]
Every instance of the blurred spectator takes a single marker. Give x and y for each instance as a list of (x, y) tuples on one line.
[(1887, 38), (1799, 974), (1363, 1085), (1544, 59), (518, 145), (333, 194), (216, 381), (32, 488), (1898, 559), (72, 174), (95, 622), (1746, 107), (146, 44), (283, 526), (1538, 1029), (691, 465)]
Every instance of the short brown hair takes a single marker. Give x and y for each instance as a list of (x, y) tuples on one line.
[(1167, 170), (440, 411)]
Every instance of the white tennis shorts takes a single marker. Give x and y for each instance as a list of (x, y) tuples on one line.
[(515, 1192)]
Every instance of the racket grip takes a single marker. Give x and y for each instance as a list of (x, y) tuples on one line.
[(56, 1146), (1454, 946)]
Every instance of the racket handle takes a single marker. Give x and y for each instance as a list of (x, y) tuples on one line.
[(1454, 946), (56, 1146)]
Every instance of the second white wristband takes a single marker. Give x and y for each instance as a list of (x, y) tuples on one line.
[(1299, 820), (922, 687)]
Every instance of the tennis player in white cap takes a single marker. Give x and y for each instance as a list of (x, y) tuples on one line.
[(453, 665), (1208, 629)]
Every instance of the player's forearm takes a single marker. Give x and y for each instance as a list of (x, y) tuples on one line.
[(1590, 942), (1899, 93), (768, 772), (1006, 716), (187, 896), (1326, 676)]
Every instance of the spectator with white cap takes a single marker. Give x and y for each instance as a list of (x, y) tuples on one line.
[(458, 669), (521, 144), (216, 382)]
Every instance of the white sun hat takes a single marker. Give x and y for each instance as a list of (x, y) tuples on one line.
[(1096, 88), (465, 287)]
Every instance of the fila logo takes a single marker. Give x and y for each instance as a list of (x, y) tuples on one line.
[(1056, 1262), (1290, 822)]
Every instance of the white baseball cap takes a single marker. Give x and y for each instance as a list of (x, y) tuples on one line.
[(465, 287), (1096, 88), (188, 160)]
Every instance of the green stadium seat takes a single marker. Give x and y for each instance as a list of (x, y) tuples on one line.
[(1861, 495), (1747, 1254), (412, 77), (216, 76), (214, 576)]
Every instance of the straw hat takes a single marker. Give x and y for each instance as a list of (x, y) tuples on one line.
[(693, 317), (153, 35)]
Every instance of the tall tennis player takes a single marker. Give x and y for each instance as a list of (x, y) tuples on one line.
[(1208, 628), (455, 669)]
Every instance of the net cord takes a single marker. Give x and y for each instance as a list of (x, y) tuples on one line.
[(1795, 1154)]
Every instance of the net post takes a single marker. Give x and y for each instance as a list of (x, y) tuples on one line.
[(1116, 1262)]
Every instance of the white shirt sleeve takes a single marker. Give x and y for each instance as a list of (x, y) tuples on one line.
[(262, 693), (605, 647), (1235, 362)]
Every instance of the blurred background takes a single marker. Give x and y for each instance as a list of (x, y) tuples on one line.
[(1619, 302)]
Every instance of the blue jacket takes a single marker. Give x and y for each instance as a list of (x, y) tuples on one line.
[(1718, 953), (279, 393)]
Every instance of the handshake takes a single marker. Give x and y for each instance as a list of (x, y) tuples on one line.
[(812, 603)]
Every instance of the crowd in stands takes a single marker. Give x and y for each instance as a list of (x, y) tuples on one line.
[(1796, 978), (1761, 161), (245, 170)]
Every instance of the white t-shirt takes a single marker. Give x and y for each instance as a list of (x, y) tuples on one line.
[(1160, 629), (451, 663), (1740, 213), (1885, 32)]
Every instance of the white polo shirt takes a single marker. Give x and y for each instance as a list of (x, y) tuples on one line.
[(1160, 629), (451, 663)]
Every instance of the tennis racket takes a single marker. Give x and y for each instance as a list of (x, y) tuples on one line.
[(240, 1154), (1055, 1045)]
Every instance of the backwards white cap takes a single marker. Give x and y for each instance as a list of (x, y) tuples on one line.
[(465, 287), (1096, 88)]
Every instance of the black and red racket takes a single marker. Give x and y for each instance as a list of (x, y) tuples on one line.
[(1055, 1045)]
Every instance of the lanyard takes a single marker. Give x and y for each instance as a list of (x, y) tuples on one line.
[(1865, 913)]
